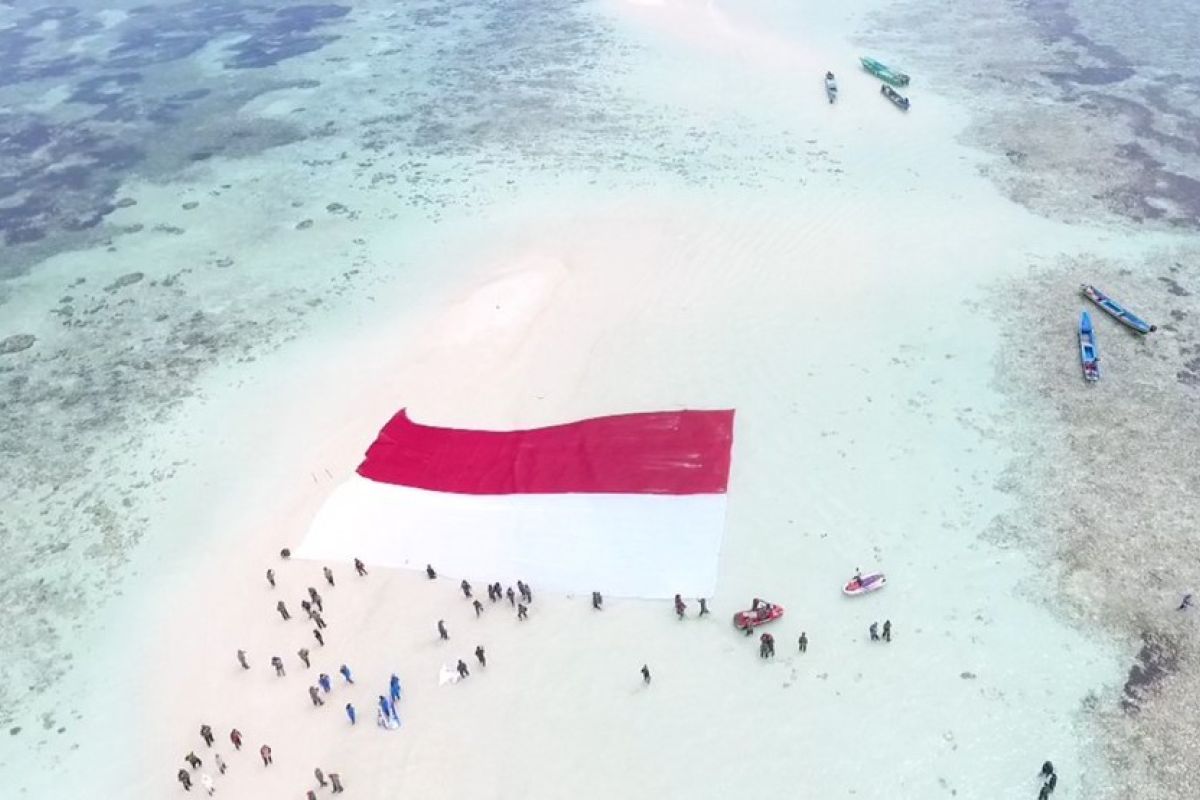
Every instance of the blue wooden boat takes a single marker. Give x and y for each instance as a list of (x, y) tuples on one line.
[(885, 73), (1110, 306), (1088, 354)]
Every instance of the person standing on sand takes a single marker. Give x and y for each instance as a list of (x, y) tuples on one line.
[(522, 611), (463, 672), (315, 696), (193, 759), (265, 752), (360, 567), (320, 639), (336, 780), (303, 653), (680, 606), (206, 735), (645, 674), (220, 762), (874, 629), (320, 776), (277, 663), (394, 687), (323, 680), (310, 795), (352, 714), (1186, 603), (183, 777), (466, 588), (328, 575), (478, 608), (803, 642), (442, 630), (345, 670), (703, 607), (235, 736), (479, 654), (597, 601), (307, 607), (430, 572), (316, 599), (242, 659), (887, 630), (281, 607), (512, 599), (316, 617), (271, 577)]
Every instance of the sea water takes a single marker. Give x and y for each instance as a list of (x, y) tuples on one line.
[(289, 165)]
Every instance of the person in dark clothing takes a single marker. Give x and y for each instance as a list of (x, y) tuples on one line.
[(766, 647), (336, 780), (479, 654), (466, 588), (310, 795), (463, 672), (193, 759), (803, 642), (317, 618), (522, 611), (512, 598), (528, 594), (315, 696), (316, 599), (185, 779), (1044, 792), (281, 607), (874, 629), (324, 682), (1047, 770), (442, 630), (235, 736), (345, 670), (307, 607), (265, 752), (499, 591), (887, 630), (645, 674), (703, 607), (206, 735), (271, 577), (303, 653), (597, 601), (360, 567), (680, 606), (277, 663), (430, 572), (320, 776), (491, 593), (328, 575), (242, 659), (478, 608), (1186, 603), (320, 639), (351, 713)]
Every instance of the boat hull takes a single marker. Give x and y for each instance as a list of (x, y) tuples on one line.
[(1089, 356), (883, 72), (1116, 310), (869, 583)]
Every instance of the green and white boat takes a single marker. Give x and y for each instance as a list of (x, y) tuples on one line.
[(884, 72)]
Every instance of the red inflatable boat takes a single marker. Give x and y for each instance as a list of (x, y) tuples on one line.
[(760, 612)]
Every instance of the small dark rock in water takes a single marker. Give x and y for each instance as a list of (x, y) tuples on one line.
[(14, 731), (136, 227), (125, 280), (189, 205), (224, 262), (336, 208), (17, 343), (967, 676), (125, 202), (1158, 659), (1174, 288), (304, 224)]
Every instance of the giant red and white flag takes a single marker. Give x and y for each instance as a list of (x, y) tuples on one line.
[(628, 505)]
